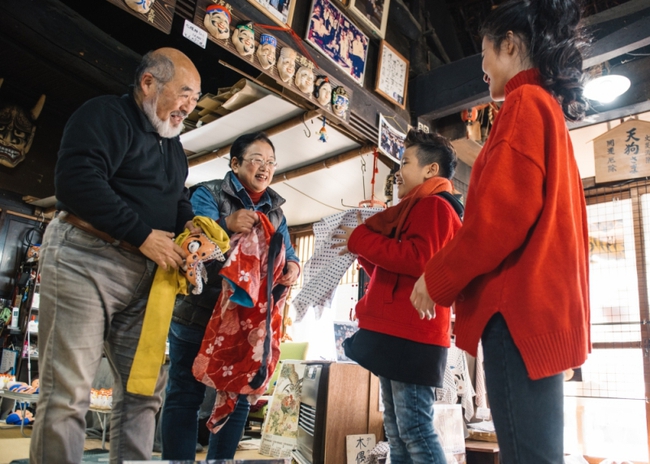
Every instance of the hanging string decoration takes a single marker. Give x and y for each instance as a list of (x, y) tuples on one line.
[(322, 133)]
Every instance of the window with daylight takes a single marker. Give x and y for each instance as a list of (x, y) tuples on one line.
[(606, 412), (320, 333)]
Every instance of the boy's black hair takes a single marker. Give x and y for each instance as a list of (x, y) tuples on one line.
[(433, 148)]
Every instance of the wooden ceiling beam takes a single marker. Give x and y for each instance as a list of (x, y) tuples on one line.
[(68, 41), (453, 87), (324, 164), (270, 132), (624, 40), (634, 101)]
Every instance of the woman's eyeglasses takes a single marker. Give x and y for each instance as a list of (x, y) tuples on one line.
[(259, 162)]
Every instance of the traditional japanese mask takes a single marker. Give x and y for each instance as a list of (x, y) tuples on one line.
[(17, 128), (305, 80), (140, 6), (217, 20), (243, 38), (323, 90), (199, 249), (340, 101), (287, 64), (266, 50)]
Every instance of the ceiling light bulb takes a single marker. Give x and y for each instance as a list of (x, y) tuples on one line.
[(606, 88)]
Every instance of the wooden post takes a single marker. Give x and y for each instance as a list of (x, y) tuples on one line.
[(327, 163)]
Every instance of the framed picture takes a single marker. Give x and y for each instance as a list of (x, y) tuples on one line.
[(343, 330), (372, 13), (280, 11), (338, 38), (391, 141), (392, 75)]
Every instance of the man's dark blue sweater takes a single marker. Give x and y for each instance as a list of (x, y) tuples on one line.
[(115, 172)]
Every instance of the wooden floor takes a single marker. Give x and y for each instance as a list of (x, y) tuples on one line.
[(14, 446)]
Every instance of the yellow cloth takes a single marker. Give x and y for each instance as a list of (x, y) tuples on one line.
[(150, 354)]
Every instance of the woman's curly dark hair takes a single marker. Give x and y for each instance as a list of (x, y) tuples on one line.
[(551, 31)]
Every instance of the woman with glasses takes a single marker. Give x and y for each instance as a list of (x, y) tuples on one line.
[(232, 202)]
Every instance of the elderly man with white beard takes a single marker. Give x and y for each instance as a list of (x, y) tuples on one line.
[(119, 183)]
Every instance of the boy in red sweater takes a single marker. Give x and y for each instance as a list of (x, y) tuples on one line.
[(407, 353), (518, 269)]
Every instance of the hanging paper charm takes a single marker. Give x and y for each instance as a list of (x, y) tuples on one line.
[(322, 133)]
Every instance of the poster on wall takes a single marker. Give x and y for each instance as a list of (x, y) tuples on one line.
[(280, 429), (338, 38), (391, 141), (372, 13), (158, 13), (392, 75), (280, 11), (343, 330)]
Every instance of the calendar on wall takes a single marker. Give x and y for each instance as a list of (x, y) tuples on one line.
[(392, 75)]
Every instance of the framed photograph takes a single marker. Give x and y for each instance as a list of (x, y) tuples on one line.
[(280, 11), (391, 141), (372, 13), (392, 75), (343, 330), (339, 39)]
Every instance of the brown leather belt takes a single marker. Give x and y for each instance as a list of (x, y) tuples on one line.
[(87, 227)]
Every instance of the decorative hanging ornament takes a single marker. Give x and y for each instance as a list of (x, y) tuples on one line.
[(322, 133)]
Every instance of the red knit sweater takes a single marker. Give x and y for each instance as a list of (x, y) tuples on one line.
[(395, 265), (523, 248)]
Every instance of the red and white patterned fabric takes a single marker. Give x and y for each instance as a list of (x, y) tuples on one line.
[(232, 350)]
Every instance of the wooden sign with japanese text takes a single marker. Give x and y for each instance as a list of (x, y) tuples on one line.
[(624, 152)]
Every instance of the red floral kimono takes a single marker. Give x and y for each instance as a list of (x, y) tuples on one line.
[(241, 346)]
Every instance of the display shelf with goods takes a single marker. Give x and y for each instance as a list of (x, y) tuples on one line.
[(22, 334), (21, 386), (30, 332)]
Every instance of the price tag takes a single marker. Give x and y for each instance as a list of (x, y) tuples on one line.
[(195, 34)]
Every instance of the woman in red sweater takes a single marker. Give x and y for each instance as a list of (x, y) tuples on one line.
[(518, 268), (407, 353)]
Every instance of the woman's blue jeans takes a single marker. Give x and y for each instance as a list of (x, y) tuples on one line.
[(408, 421), (528, 414), (184, 395)]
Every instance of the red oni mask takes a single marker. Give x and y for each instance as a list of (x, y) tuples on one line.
[(199, 249)]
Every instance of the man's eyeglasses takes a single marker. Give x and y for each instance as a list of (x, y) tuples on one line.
[(259, 162)]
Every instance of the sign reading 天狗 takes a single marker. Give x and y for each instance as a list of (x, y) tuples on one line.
[(624, 152)]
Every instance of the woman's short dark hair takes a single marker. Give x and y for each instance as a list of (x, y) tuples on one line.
[(241, 144), (550, 30), (433, 148)]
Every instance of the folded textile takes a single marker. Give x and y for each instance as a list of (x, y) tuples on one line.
[(241, 345), (150, 354), (324, 270)]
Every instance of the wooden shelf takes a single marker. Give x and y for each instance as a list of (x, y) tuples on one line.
[(481, 452)]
